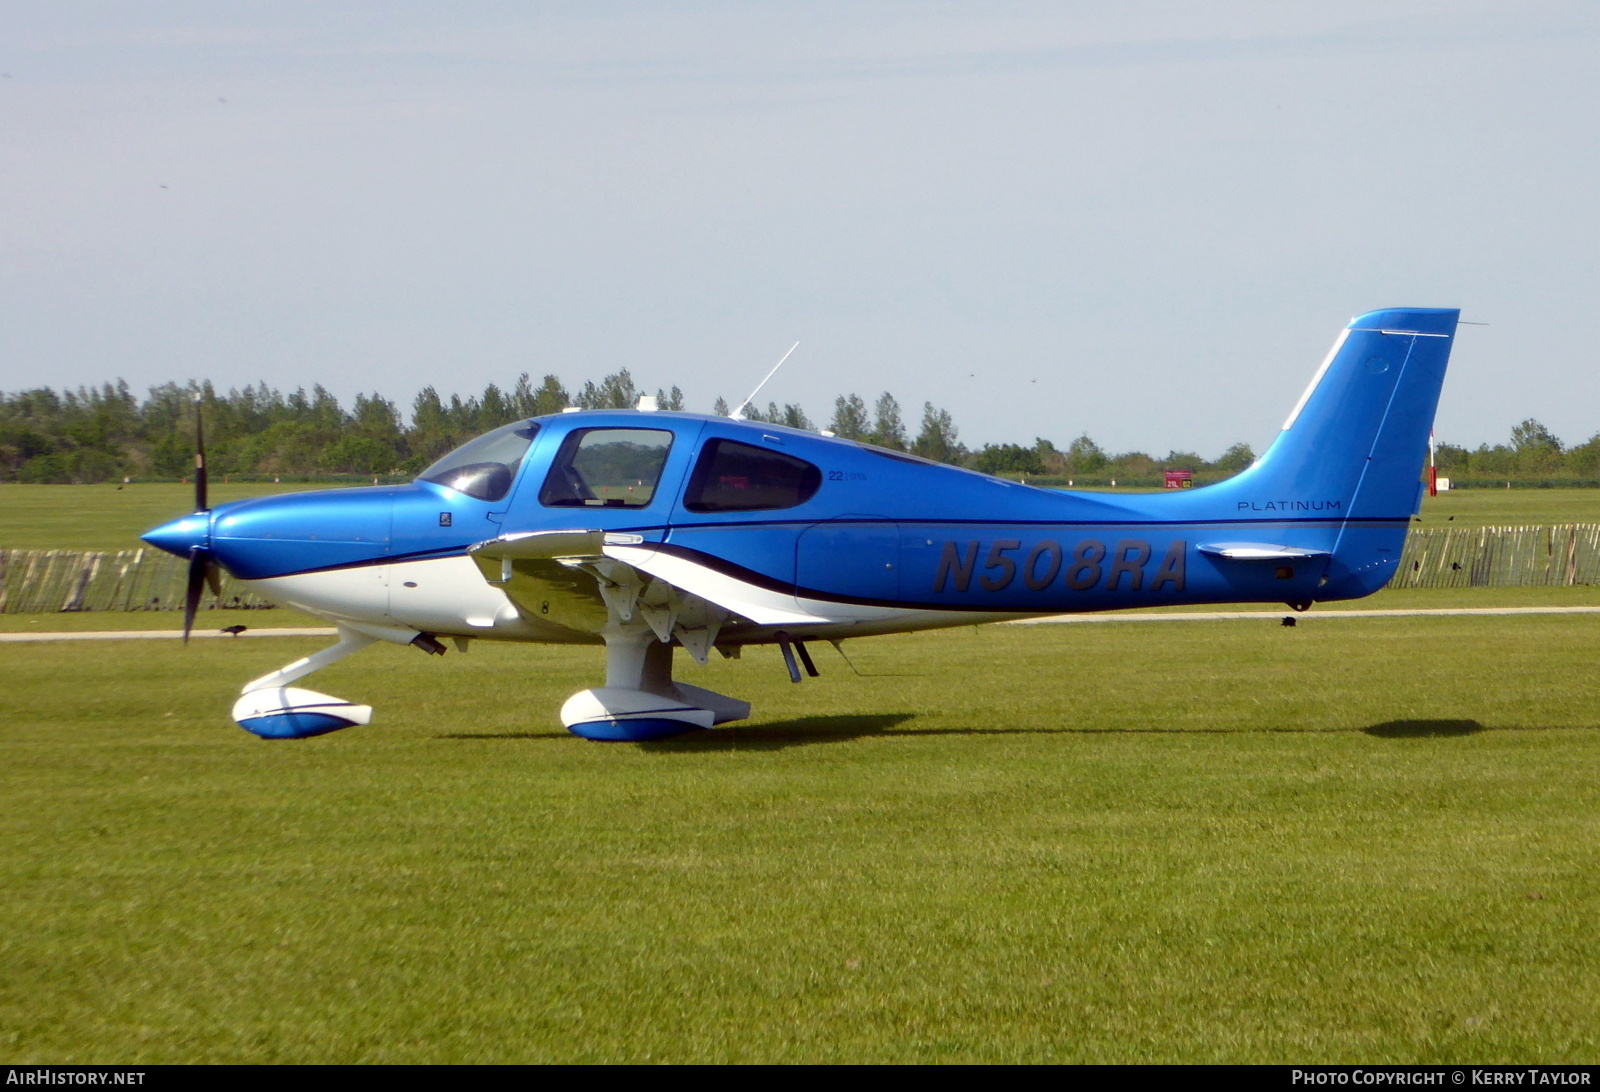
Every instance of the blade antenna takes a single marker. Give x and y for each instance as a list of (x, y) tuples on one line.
[(738, 414)]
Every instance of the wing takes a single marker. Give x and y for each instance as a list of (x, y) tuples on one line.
[(585, 579)]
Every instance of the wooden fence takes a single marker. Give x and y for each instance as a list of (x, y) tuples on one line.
[(41, 581), (1552, 555)]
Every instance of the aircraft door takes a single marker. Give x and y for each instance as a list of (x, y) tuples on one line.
[(851, 559), (604, 475)]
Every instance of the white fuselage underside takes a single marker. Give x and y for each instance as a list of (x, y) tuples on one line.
[(448, 596)]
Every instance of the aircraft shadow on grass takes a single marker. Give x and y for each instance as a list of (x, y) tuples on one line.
[(759, 737), (840, 729), (785, 733), (1424, 729)]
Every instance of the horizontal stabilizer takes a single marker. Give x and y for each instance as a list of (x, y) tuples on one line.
[(1259, 551)]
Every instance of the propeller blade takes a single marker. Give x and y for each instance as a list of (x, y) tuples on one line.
[(199, 562), (200, 500)]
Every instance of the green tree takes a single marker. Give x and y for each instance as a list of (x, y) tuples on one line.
[(1236, 458), (888, 430), (850, 418), (1452, 461), (1008, 458), (1538, 450), (522, 398), (1584, 460), (1084, 456), (357, 455), (1131, 464), (1530, 435), (1495, 462), (615, 391), (937, 439), (494, 409)]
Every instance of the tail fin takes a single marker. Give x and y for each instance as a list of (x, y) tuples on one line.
[(1357, 439), (1360, 432)]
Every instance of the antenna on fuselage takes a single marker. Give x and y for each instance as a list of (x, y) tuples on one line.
[(738, 414)]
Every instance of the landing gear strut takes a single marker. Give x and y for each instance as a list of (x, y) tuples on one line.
[(640, 701), (273, 709)]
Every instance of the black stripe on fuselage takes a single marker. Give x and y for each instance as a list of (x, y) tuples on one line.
[(869, 521), (750, 576)]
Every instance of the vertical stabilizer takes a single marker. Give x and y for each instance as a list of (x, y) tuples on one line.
[(1356, 442), (1359, 434)]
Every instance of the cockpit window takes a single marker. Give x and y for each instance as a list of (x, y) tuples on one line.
[(607, 468), (484, 468), (735, 477)]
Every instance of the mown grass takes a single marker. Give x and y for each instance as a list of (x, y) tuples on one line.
[(205, 621), (109, 517), (1498, 507), (1357, 840), (1581, 595), (103, 517)]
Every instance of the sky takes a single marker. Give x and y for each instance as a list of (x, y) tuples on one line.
[(1143, 220)]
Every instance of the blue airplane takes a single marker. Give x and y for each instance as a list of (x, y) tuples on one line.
[(652, 531)]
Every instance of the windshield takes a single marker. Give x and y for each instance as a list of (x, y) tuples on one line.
[(484, 468)]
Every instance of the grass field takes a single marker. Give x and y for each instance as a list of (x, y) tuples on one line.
[(1402, 599), (1356, 840), (102, 517), (106, 517)]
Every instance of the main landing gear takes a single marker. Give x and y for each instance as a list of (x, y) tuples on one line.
[(640, 701)]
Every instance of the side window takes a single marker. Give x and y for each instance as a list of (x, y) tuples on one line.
[(607, 468), (735, 477)]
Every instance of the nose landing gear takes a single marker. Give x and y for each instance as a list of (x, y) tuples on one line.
[(272, 709)]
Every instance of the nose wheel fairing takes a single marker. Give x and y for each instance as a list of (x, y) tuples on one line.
[(288, 712), (272, 709)]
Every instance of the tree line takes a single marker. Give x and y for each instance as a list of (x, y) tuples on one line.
[(106, 433)]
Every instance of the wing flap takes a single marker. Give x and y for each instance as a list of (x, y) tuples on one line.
[(573, 577), (761, 606)]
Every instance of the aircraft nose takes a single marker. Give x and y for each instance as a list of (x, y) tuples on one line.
[(182, 535)]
